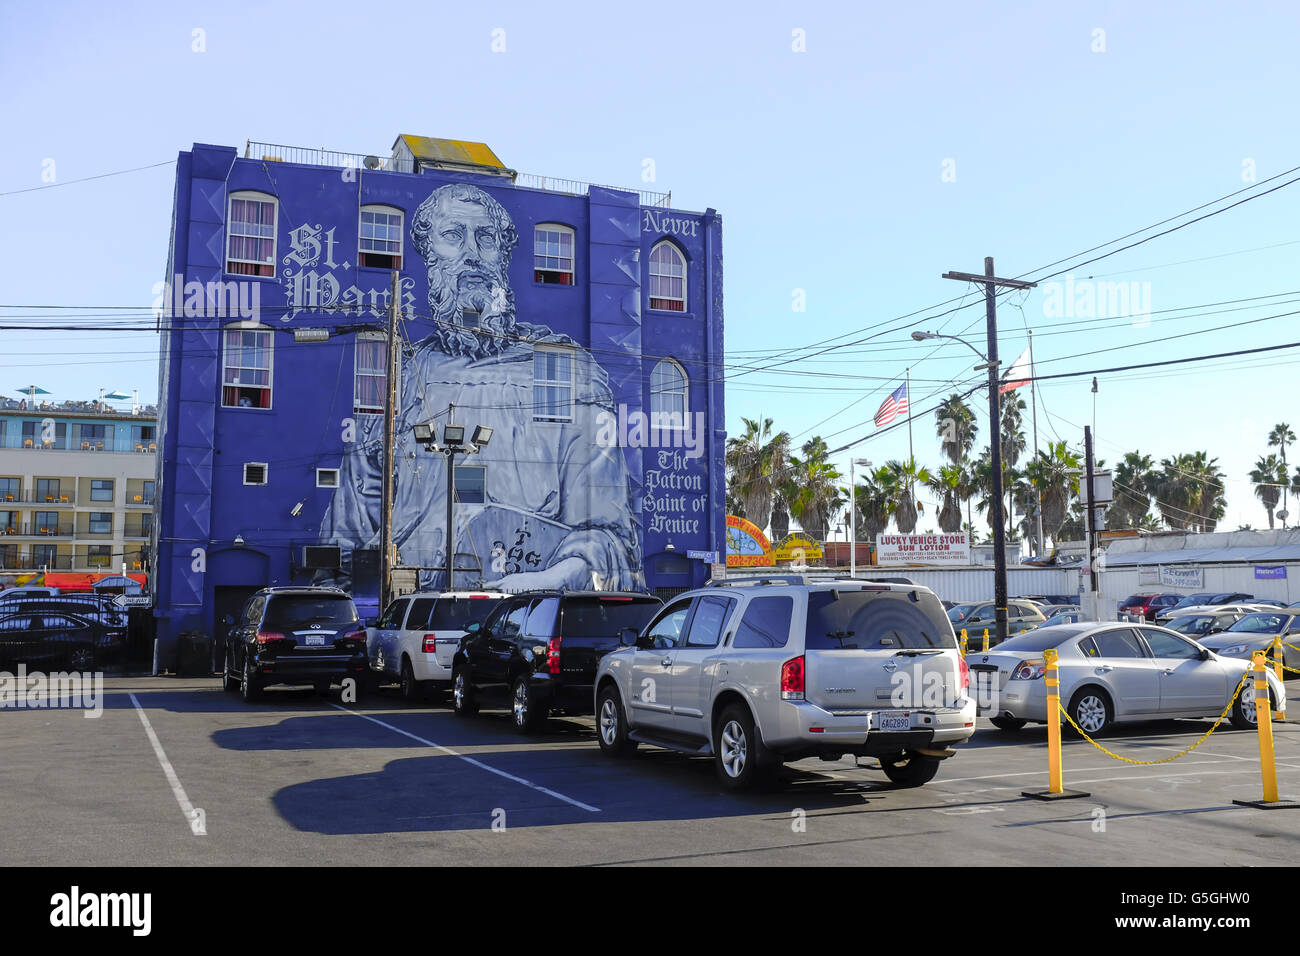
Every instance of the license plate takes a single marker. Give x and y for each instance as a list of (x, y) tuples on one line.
[(315, 640), (893, 722)]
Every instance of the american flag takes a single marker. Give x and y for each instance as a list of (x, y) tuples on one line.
[(893, 406)]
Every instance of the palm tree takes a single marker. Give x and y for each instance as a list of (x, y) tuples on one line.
[(1281, 436), (756, 462), (1189, 491), (813, 489), (956, 426), (874, 502), (1054, 475), (1135, 478), (948, 483), (1269, 478), (903, 477)]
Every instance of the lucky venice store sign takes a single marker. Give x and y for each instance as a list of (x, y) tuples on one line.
[(923, 548)]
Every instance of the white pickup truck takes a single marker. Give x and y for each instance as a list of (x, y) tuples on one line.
[(413, 643)]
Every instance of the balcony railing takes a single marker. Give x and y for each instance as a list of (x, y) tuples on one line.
[(25, 562), (37, 530), (32, 497), (310, 156), (125, 446), (137, 499)]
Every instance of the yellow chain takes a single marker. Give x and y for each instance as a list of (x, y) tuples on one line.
[(1147, 763)]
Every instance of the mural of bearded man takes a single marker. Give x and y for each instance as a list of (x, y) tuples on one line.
[(550, 507)]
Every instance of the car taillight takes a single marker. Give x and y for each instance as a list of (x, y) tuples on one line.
[(430, 643), (266, 637), (355, 636), (553, 656), (792, 679), (964, 670), (1029, 670)]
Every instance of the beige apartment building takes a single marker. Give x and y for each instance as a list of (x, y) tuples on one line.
[(76, 486)]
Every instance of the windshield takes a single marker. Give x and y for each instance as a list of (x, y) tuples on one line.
[(1035, 641), (606, 617), (1261, 624), (876, 620), (1191, 624), (290, 613), (1064, 617), (960, 611), (1193, 599)]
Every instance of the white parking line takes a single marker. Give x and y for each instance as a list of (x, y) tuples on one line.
[(471, 760), (187, 808)]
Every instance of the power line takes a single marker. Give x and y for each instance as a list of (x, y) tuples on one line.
[(86, 179)]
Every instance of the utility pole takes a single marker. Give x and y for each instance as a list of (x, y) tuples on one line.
[(1033, 397), (451, 493), (1092, 514), (991, 284), (390, 430)]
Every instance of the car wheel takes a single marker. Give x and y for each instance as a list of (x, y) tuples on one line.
[(462, 695), (82, 659), (249, 688), (1007, 723), (738, 753), (409, 685), (611, 724), (525, 714), (1091, 710), (911, 769), (1244, 711), (229, 681)]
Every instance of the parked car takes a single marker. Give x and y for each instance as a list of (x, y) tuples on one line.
[(1112, 673), (48, 639), (413, 643), (1204, 599), (1022, 614), (111, 620), (28, 590), (1239, 609), (1147, 606), (1069, 615), (1255, 632), (538, 652), (1206, 622), (757, 674), (1051, 609), (294, 635)]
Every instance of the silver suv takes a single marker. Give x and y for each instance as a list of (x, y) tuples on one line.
[(763, 671)]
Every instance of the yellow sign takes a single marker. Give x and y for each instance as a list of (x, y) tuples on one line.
[(798, 549)]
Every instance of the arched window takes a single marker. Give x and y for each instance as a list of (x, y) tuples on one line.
[(380, 243), (667, 278), (250, 234), (669, 395)]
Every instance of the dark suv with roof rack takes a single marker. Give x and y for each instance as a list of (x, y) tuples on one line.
[(537, 652), (286, 635)]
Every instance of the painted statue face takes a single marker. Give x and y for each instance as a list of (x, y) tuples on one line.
[(465, 267)]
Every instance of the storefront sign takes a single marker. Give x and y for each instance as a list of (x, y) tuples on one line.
[(1271, 573), (1182, 577), (798, 549), (747, 546), (923, 549)]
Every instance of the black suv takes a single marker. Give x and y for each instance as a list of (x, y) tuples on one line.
[(537, 652), (299, 635)]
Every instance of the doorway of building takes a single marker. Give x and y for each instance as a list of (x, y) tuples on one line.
[(226, 600)]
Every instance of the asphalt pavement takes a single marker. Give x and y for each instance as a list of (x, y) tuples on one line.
[(177, 772)]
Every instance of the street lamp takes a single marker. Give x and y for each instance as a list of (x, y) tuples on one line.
[(453, 444), (995, 455), (853, 514)]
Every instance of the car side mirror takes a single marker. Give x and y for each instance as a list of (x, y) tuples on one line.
[(1205, 655), (473, 627), (372, 622), (645, 642), (628, 636)]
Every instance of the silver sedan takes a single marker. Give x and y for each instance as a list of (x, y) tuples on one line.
[(1111, 673)]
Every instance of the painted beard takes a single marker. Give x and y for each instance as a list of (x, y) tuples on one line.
[(484, 293)]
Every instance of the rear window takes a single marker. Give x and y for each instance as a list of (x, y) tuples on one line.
[(1034, 642), (291, 612), (1260, 624), (870, 620), (605, 617), (448, 613)]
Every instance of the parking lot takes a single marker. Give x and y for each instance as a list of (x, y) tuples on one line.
[(303, 779)]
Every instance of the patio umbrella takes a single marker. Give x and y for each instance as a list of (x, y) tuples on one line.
[(116, 396), (32, 391)]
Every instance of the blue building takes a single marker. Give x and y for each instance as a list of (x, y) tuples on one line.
[(582, 324)]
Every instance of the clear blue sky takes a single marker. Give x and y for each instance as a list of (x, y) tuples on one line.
[(826, 165)]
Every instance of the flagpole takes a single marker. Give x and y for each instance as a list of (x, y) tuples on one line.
[(907, 377), (1033, 399)]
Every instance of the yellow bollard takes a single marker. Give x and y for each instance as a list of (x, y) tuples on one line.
[(986, 640), (963, 642), (1264, 722), (1055, 784), (1277, 668)]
